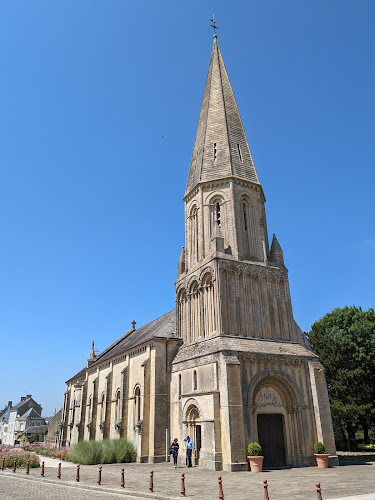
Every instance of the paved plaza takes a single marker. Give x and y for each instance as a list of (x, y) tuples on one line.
[(349, 482)]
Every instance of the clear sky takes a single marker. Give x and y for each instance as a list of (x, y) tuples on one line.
[(99, 106)]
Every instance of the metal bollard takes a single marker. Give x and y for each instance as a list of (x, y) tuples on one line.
[(3, 464), (122, 478), (182, 494), (42, 471), (59, 471), (265, 486), (151, 485), (15, 466), (77, 475), (99, 481), (318, 492), (221, 492), (28, 467)]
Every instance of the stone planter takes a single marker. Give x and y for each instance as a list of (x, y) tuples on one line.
[(322, 460), (256, 463)]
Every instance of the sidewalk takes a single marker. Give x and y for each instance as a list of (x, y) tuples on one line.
[(350, 482)]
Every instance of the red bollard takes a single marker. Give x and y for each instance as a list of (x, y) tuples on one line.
[(42, 471), (77, 475), (151, 485), (28, 467), (122, 478), (59, 471), (221, 492), (182, 486), (15, 466), (99, 481), (3, 464), (318, 492), (265, 486)]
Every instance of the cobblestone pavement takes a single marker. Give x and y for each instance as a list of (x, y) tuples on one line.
[(350, 482)]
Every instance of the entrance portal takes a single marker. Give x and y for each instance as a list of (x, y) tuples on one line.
[(194, 431), (271, 439)]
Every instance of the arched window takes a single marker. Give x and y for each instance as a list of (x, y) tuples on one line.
[(217, 213), (209, 305), (193, 235), (182, 315), (117, 408), (102, 409), (195, 380), (195, 312), (137, 404)]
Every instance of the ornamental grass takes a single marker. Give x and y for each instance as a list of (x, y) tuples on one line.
[(108, 451)]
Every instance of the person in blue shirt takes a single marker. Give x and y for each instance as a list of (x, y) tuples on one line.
[(189, 449)]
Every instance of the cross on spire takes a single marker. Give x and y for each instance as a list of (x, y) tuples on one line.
[(134, 323), (214, 24)]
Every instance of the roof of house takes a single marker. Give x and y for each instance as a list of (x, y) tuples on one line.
[(161, 328), (30, 414)]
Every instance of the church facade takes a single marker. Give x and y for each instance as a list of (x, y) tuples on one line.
[(229, 365)]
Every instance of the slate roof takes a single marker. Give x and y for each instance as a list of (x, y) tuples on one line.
[(219, 123), (31, 413), (42, 429), (161, 328), (20, 404)]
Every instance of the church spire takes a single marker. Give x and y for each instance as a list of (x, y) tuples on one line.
[(221, 148)]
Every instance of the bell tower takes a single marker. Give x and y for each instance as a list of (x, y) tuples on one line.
[(229, 280)]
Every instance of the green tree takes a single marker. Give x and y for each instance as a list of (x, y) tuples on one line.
[(344, 340)]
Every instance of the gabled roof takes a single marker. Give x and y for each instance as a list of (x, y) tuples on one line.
[(161, 328), (221, 148), (31, 413), (20, 404)]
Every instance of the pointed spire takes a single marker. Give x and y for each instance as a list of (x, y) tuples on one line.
[(221, 148), (181, 263), (276, 253), (92, 352)]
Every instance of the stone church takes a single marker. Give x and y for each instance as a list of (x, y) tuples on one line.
[(229, 365)]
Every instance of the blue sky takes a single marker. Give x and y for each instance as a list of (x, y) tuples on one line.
[(92, 218)]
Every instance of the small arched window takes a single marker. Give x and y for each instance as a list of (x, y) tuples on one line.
[(195, 380), (244, 208), (137, 404)]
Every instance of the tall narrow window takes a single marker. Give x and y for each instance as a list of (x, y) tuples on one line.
[(215, 152), (239, 152), (217, 209), (117, 410), (244, 215), (179, 386), (137, 403), (195, 381), (102, 415)]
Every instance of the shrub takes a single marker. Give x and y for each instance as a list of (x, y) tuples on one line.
[(48, 450), (108, 451), (254, 449), (319, 448)]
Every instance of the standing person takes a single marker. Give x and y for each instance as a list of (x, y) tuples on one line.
[(189, 449), (175, 447)]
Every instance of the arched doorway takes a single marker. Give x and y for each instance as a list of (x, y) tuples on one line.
[(194, 430)]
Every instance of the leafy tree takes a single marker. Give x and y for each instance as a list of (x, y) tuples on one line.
[(344, 340)]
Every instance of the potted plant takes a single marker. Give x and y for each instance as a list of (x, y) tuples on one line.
[(321, 455), (255, 457)]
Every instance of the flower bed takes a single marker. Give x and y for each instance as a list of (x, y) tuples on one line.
[(21, 456), (48, 450)]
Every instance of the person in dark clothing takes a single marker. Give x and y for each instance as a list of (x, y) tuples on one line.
[(175, 447)]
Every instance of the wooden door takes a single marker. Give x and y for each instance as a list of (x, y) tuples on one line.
[(271, 439)]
